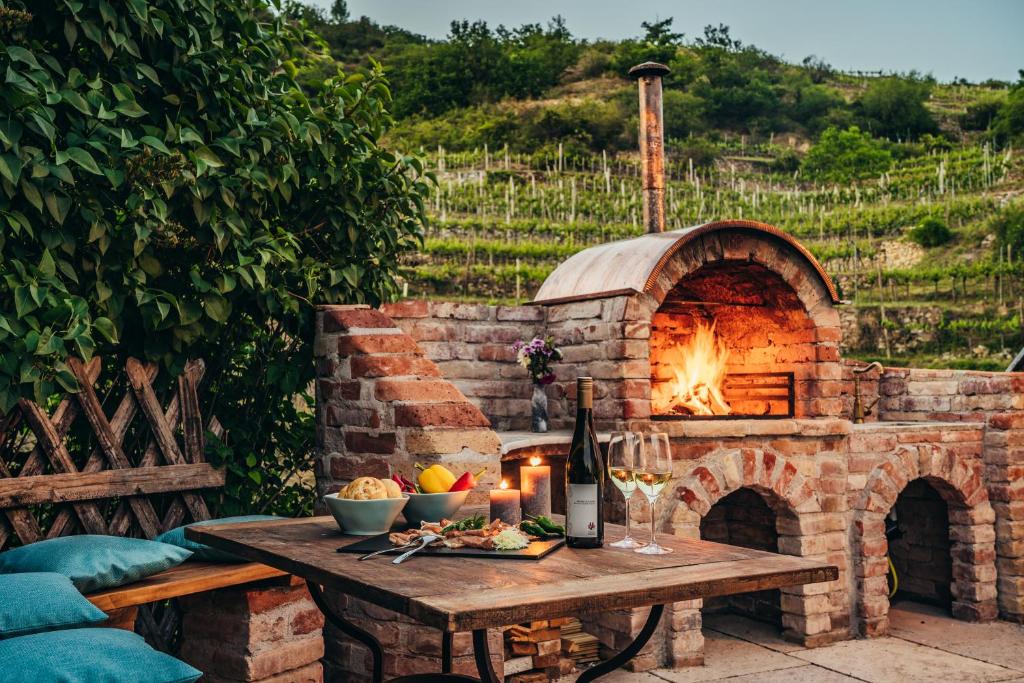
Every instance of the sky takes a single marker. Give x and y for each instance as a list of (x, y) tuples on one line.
[(973, 39)]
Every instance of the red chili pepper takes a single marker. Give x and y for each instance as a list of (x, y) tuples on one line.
[(407, 486), (466, 481)]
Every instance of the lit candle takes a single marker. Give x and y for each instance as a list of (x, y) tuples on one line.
[(535, 480), (505, 504)]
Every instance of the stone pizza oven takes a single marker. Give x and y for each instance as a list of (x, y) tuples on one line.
[(726, 336)]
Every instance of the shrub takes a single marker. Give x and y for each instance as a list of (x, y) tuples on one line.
[(1009, 227), (843, 155), (894, 107), (980, 115), (1008, 126), (931, 232), (169, 191)]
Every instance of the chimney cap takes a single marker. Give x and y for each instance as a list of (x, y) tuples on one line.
[(648, 69)]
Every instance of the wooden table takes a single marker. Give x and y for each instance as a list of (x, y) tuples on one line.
[(467, 594)]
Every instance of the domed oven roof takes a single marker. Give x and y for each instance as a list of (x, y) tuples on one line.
[(632, 266)]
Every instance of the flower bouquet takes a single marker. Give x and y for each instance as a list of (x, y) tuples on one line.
[(536, 356)]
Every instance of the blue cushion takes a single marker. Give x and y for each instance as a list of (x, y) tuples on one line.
[(89, 655), (41, 601), (203, 552), (94, 562)]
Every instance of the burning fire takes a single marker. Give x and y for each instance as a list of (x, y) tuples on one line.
[(699, 370)]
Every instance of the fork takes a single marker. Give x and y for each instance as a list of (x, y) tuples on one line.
[(424, 542), (386, 550)]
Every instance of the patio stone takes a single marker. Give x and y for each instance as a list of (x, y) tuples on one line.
[(932, 626), (892, 660), (752, 631), (726, 657), (801, 674)]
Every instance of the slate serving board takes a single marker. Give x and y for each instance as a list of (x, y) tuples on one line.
[(535, 551)]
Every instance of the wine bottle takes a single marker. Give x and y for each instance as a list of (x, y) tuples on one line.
[(584, 476)]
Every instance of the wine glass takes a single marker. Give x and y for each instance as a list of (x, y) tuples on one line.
[(621, 466), (653, 472)]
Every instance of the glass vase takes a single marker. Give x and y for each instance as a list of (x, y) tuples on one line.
[(539, 417)]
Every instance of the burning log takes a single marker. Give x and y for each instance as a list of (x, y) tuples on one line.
[(698, 370)]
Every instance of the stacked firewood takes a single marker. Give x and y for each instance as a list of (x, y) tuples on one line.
[(533, 652), (546, 650)]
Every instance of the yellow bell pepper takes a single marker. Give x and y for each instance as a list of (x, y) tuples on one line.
[(435, 479)]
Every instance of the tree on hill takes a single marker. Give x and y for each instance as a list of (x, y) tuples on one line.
[(894, 107), (1008, 125), (843, 155)]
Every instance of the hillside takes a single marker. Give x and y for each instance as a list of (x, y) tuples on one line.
[(908, 190)]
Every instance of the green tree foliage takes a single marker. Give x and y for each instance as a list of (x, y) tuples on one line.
[(894, 107), (477, 64), (1009, 226), (169, 191), (931, 232), (843, 155), (1008, 125)]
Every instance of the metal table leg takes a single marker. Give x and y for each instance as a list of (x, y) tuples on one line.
[(483, 657), (351, 630), (628, 652), (446, 652)]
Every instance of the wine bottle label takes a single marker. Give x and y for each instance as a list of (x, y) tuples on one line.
[(581, 511)]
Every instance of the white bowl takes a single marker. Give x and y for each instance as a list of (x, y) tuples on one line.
[(433, 507), (365, 517)]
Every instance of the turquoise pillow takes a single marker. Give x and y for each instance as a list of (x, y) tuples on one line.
[(89, 655), (94, 562), (42, 601), (205, 553)]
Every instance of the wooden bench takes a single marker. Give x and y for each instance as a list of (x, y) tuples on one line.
[(49, 488)]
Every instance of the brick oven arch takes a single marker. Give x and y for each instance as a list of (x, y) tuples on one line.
[(798, 519), (959, 482), (750, 242)]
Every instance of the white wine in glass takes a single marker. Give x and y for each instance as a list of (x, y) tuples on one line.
[(621, 466), (653, 472)]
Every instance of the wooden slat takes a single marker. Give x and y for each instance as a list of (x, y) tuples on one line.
[(176, 510), (185, 579), (490, 592), (191, 419), (75, 487), (161, 431), (53, 445), (110, 444), (119, 423)]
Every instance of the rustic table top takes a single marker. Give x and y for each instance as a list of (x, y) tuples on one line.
[(463, 594)]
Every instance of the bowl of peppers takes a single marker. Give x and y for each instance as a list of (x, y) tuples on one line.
[(436, 494)]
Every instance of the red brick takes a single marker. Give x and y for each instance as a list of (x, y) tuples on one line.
[(376, 343), (407, 309), (501, 353), (439, 415), (330, 390), (362, 442), (393, 366), (345, 319), (264, 600), (345, 468), (708, 481), (416, 390), (307, 621)]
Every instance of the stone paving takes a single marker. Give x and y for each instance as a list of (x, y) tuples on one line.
[(924, 645)]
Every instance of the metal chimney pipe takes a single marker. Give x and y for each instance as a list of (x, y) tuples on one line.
[(652, 142)]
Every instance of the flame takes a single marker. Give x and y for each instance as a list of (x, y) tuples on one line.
[(699, 376), (503, 485), (534, 461)]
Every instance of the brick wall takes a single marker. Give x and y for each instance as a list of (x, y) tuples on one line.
[(254, 633), (471, 346), (995, 402), (383, 405)]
